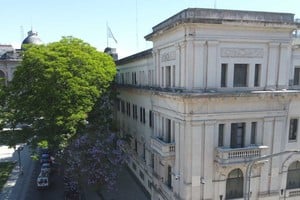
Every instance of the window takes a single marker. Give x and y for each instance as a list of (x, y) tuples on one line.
[(234, 184), (122, 106), (169, 181), (221, 135), (135, 145), (134, 111), (162, 77), (152, 160), (168, 130), (134, 78), (173, 74), (142, 115), (144, 151), (257, 75), (293, 176), (128, 109), (253, 132), (151, 118), (224, 75), (240, 75), (237, 135), (118, 104), (297, 76), (168, 76), (293, 129)]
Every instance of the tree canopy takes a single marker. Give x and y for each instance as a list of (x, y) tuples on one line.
[(57, 85)]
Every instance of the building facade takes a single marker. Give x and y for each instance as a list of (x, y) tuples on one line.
[(218, 91), (10, 57)]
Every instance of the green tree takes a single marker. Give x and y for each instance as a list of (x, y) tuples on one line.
[(57, 85)]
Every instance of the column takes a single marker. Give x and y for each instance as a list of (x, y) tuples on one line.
[(177, 65), (209, 148), (182, 64), (177, 158), (267, 140), (284, 63), (212, 57), (197, 159), (199, 64), (272, 65), (189, 64), (277, 147)]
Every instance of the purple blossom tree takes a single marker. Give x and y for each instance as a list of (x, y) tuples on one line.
[(95, 157)]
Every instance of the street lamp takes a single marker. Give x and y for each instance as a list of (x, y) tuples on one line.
[(249, 169), (20, 148)]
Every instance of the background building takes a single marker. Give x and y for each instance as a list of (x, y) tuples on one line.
[(219, 89), (10, 57)]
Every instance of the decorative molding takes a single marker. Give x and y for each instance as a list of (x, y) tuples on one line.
[(242, 52), (168, 56)]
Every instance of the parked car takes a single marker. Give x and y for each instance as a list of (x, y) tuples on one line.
[(45, 158), (43, 180), (46, 167)]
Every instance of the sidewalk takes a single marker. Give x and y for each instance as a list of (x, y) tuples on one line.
[(17, 183)]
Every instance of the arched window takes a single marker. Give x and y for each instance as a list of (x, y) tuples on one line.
[(234, 184), (293, 176)]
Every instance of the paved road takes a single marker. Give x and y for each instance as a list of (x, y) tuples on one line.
[(55, 191)]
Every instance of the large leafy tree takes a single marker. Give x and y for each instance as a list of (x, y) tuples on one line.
[(56, 85)]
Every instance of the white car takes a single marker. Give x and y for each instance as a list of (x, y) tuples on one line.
[(43, 180)]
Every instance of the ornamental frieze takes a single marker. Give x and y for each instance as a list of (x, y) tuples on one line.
[(242, 52), (168, 56)]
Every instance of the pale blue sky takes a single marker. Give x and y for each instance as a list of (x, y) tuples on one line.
[(86, 19)]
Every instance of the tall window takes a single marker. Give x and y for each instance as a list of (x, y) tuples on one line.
[(297, 76), (257, 75), (128, 109), (150, 118), (169, 181), (221, 135), (168, 76), (293, 129), (162, 77), (134, 82), (253, 132), (237, 135), (134, 111), (234, 184), (168, 130), (293, 176), (122, 106), (224, 75), (142, 115), (173, 74), (240, 75)]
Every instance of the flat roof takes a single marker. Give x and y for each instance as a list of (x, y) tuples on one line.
[(134, 57), (217, 16)]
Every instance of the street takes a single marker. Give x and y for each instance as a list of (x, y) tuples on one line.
[(55, 191)]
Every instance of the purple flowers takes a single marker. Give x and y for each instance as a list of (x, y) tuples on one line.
[(95, 159)]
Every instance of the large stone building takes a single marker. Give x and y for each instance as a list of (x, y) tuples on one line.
[(219, 89), (10, 57)]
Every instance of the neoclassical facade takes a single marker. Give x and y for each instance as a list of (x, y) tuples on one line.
[(10, 57), (213, 109)]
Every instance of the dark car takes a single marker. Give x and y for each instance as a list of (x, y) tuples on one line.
[(45, 158)]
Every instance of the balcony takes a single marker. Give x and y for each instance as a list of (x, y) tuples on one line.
[(163, 148), (225, 156)]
